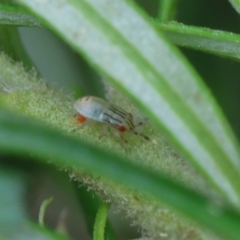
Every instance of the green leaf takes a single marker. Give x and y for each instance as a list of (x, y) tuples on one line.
[(10, 42), (120, 41), (14, 15), (100, 222), (14, 222), (24, 93), (43, 209), (235, 4), (90, 203), (224, 44), (22, 136), (167, 10), (12, 191)]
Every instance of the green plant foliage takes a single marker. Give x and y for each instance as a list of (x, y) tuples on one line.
[(159, 90), (25, 93), (167, 191), (22, 131), (43, 209), (217, 42), (14, 223), (100, 222), (13, 15), (236, 4), (167, 10)]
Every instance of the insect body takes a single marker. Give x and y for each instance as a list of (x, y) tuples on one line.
[(97, 109)]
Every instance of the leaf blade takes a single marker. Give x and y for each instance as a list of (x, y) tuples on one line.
[(23, 136), (216, 42), (171, 93)]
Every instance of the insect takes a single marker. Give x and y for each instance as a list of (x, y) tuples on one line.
[(97, 109)]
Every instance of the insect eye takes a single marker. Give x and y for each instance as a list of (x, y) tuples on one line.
[(121, 128), (80, 118)]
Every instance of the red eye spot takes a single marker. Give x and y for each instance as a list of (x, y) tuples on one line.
[(80, 118), (121, 128)]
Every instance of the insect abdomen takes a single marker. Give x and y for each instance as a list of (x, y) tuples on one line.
[(118, 118), (102, 111)]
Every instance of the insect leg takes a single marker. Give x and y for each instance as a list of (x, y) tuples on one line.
[(142, 135), (104, 132), (144, 121)]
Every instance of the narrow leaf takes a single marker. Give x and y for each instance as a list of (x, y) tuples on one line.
[(22, 136), (216, 42), (120, 41), (100, 222), (167, 10), (90, 203), (43, 209), (14, 222), (14, 15), (235, 4)]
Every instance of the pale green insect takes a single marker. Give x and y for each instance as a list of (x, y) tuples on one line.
[(97, 109)]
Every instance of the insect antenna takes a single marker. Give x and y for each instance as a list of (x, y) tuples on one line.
[(141, 123), (142, 135)]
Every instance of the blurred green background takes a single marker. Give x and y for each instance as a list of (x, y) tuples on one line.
[(64, 69), (67, 71)]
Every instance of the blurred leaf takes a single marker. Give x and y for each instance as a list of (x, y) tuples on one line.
[(43, 209), (120, 41), (12, 201), (14, 15), (10, 43), (224, 44), (90, 203), (100, 222), (167, 10), (21, 136), (13, 214), (235, 4)]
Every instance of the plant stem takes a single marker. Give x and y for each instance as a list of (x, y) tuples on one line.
[(100, 222), (167, 10)]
